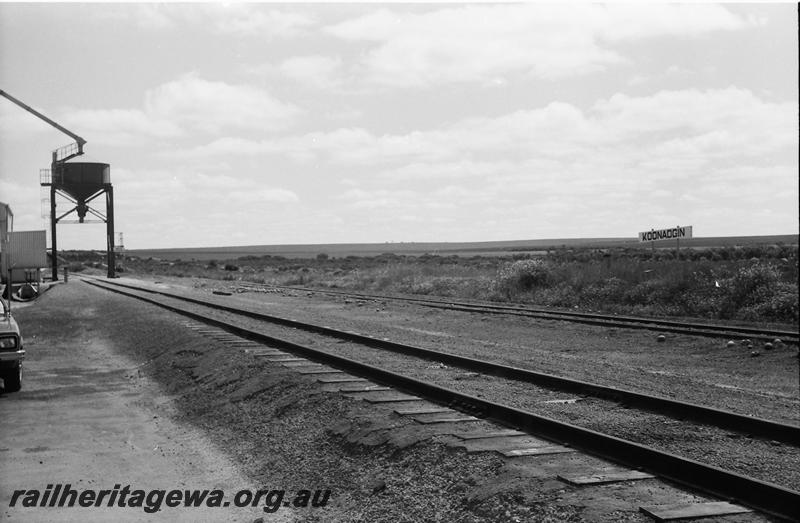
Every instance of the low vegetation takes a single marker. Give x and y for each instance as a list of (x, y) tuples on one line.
[(754, 283)]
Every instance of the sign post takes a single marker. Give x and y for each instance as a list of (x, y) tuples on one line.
[(675, 233)]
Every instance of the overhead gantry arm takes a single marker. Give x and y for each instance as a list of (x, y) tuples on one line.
[(80, 141)]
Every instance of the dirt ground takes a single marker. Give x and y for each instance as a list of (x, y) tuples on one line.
[(690, 368), (88, 416), (121, 392), (693, 368)]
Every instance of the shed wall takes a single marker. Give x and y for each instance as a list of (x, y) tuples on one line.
[(28, 249)]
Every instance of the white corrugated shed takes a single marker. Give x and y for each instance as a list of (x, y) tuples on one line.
[(28, 249), (5, 222)]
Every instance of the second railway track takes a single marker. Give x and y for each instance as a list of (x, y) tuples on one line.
[(663, 463), (722, 418), (589, 318)]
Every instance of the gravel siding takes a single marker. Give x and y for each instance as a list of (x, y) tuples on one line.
[(285, 432)]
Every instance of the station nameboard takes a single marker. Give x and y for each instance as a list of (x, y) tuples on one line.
[(674, 233)]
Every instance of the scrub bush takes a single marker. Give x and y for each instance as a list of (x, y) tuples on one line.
[(758, 292), (522, 276)]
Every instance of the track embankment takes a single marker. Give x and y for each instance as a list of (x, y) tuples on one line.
[(266, 427), (303, 351)]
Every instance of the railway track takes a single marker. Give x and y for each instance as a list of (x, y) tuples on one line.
[(630, 322), (764, 496), (722, 418)]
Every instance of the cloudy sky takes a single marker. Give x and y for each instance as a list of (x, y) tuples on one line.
[(247, 124)]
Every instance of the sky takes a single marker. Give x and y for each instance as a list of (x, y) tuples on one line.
[(263, 123)]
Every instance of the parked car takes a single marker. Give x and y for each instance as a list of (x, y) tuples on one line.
[(11, 351)]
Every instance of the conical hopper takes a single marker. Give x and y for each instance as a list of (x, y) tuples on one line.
[(82, 179)]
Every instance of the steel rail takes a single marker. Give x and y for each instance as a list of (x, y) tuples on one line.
[(634, 322), (699, 413), (759, 495)]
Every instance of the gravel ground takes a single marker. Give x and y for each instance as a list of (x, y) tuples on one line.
[(689, 368), (766, 460), (87, 417), (285, 432)]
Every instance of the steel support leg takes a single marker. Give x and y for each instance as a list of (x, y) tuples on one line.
[(112, 273), (53, 241)]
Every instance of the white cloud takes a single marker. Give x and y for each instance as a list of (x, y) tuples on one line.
[(19, 196), (249, 20), (485, 42), (183, 195), (624, 160), (211, 106), (16, 121), (316, 71), (175, 109), (677, 70), (638, 79), (238, 19), (509, 141), (259, 195), (120, 127), (153, 16), (455, 170), (627, 160), (764, 185), (409, 201), (344, 114), (342, 146), (671, 127), (729, 122), (631, 21), (148, 16)]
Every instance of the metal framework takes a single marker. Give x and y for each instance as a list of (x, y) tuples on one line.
[(54, 179), (81, 208)]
